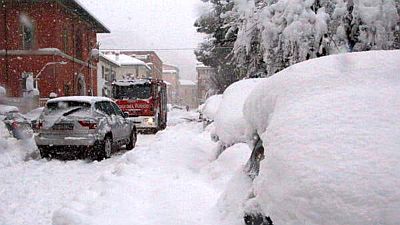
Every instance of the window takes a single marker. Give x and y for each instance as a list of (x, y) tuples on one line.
[(65, 40), (78, 45), (103, 72), (28, 34), (105, 107), (117, 109)]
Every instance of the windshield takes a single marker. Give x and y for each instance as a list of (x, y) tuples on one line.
[(139, 91)]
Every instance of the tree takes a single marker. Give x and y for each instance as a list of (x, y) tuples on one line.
[(216, 49)]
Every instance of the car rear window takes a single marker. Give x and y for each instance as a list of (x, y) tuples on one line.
[(65, 106)]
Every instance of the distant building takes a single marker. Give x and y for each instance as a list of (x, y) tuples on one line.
[(188, 93), (204, 90), (46, 45), (150, 58), (171, 76), (129, 67), (106, 74)]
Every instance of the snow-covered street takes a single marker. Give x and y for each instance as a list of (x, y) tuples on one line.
[(169, 178)]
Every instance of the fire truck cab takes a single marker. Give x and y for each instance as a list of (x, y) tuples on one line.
[(144, 101)]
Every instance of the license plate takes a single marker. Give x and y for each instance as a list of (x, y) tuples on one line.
[(63, 126)]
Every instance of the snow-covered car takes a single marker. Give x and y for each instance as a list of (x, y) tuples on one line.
[(209, 109), (88, 127), (18, 125), (327, 132), (6, 109), (33, 116)]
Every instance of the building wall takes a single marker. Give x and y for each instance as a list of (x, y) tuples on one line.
[(188, 94), (106, 74), (55, 27), (204, 74), (173, 88), (137, 71), (151, 58)]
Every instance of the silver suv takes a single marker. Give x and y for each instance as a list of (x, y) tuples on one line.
[(83, 127)]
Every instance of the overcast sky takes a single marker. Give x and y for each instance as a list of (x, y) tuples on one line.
[(151, 24)]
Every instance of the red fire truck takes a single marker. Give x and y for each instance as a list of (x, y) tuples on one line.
[(145, 102)]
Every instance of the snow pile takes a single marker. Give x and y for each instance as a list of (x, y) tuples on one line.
[(210, 107), (330, 128), (157, 183), (229, 121), (13, 151)]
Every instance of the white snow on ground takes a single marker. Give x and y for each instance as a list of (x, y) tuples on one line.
[(176, 116), (230, 125), (168, 181), (330, 128), (168, 178)]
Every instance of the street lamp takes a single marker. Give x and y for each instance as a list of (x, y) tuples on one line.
[(48, 64), (43, 68)]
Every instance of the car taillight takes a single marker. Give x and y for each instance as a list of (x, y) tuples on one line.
[(15, 125), (89, 124), (39, 125)]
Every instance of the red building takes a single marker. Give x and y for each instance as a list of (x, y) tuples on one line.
[(50, 41)]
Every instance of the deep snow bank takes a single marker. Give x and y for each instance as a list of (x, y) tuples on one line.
[(13, 151), (230, 125), (331, 132)]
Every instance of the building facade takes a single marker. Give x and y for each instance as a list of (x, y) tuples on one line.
[(106, 74), (150, 58), (171, 76), (129, 67), (49, 41), (204, 89), (188, 93)]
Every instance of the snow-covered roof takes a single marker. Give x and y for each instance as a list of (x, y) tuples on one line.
[(88, 99), (110, 59), (187, 83), (126, 60), (80, 9)]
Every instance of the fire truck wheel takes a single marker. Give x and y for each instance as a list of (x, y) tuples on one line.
[(132, 142)]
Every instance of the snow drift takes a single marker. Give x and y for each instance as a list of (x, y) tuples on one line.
[(230, 125), (13, 151), (331, 132), (210, 107)]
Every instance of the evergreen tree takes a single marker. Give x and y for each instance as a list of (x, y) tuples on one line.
[(216, 49)]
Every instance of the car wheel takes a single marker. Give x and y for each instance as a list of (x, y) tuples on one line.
[(103, 149), (132, 141), (44, 153)]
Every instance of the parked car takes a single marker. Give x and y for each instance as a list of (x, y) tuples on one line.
[(17, 124), (33, 116), (83, 127)]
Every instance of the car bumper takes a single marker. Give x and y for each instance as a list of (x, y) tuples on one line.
[(144, 122), (42, 140)]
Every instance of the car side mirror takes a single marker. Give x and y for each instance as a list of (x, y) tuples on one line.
[(126, 115)]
